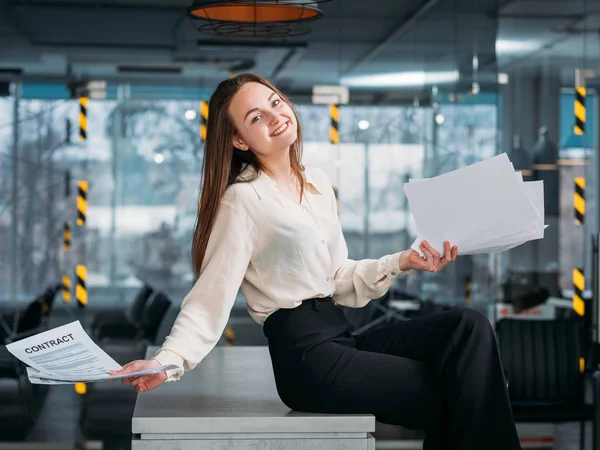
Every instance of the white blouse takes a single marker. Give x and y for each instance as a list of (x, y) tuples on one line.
[(279, 252)]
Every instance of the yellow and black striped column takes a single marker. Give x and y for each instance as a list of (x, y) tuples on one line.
[(67, 236), (334, 127), (80, 286), (579, 200), (83, 122), (203, 120), (578, 288), (66, 288), (82, 190), (229, 336), (579, 109)]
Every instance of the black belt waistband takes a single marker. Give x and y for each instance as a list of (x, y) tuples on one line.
[(313, 322)]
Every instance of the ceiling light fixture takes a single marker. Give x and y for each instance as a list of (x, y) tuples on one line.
[(401, 79), (503, 78), (363, 124), (506, 46), (254, 18)]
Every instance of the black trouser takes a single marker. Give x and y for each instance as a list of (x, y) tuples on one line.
[(440, 373)]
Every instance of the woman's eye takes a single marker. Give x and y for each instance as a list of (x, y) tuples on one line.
[(276, 102), (254, 119)]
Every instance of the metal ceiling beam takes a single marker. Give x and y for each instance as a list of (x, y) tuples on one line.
[(292, 57), (103, 45), (517, 16), (238, 44), (94, 5), (396, 34)]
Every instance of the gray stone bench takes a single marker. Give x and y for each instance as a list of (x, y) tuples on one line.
[(230, 402)]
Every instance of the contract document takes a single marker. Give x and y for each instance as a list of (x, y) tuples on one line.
[(67, 355), (482, 208)]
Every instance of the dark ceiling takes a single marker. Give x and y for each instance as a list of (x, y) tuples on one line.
[(153, 40)]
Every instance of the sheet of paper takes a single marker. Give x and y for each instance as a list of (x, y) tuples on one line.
[(33, 380), (508, 246), (487, 249), (497, 248), (64, 351), (43, 378), (67, 353), (32, 374), (485, 199), (535, 193), (466, 190)]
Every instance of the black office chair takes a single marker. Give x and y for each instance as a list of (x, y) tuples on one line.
[(149, 322), (46, 299), (546, 383), (123, 324), (152, 317), (30, 323)]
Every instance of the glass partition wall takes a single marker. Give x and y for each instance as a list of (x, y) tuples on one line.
[(142, 160)]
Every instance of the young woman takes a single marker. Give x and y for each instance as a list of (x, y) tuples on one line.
[(270, 226)]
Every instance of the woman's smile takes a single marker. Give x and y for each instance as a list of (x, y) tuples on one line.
[(284, 127)]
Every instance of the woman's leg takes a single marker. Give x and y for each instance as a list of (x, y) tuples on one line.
[(338, 378), (318, 369), (459, 349)]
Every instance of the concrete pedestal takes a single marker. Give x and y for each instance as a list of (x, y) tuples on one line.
[(230, 402)]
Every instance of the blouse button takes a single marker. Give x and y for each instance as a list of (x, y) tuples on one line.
[(393, 273), (327, 278), (322, 241)]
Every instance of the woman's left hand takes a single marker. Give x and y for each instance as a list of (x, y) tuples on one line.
[(432, 262)]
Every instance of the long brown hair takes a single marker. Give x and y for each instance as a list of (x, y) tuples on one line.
[(223, 162)]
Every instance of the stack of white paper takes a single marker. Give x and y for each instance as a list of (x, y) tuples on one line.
[(67, 355), (482, 208)]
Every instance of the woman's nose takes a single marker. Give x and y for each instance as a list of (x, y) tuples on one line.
[(274, 117)]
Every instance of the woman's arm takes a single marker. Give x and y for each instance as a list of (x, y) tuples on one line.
[(357, 282), (206, 308)]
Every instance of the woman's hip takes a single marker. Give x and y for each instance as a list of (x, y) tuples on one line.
[(296, 336), (307, 345), (313, 322)]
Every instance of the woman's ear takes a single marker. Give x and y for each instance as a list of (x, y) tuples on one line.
[(238, 143)]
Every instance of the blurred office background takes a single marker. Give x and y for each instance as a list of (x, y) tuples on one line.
[(465, 81)]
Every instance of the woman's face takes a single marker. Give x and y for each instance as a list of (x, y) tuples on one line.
[(265, 123)]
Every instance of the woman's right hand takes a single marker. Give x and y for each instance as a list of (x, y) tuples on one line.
[(145, 382)]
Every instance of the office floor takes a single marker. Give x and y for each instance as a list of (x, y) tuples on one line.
[(57, 422)]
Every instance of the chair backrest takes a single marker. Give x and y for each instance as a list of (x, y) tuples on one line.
[(541, 359), (137, 306), (48, 298), (31, 317), (6, 321), (153, 315), (166, 325)]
